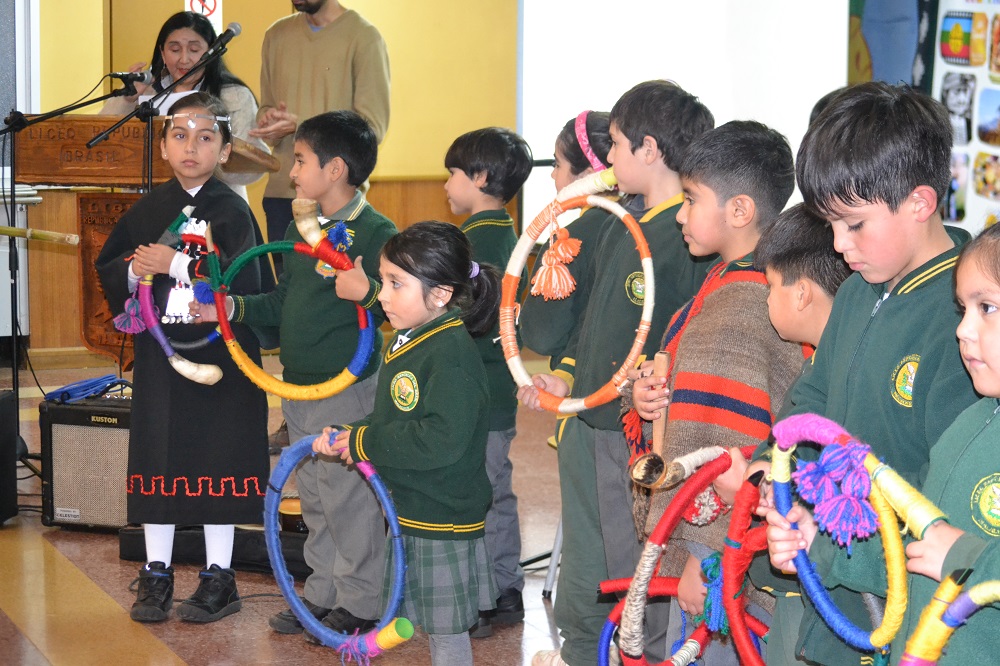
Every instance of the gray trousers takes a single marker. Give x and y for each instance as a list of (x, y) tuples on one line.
[(599, 539), (503, 529), (346, 540)]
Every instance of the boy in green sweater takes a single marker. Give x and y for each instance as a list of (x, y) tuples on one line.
[(334, 154), (486, 169), (887, 368), (651, 126)]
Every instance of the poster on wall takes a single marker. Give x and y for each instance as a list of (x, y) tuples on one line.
[(967, 81), (210, 9)]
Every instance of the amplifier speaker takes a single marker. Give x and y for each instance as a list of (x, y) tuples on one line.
[(8, 455), (85, 462)]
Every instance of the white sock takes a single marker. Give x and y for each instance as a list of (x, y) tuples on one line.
[(159, 542), (219, 545)]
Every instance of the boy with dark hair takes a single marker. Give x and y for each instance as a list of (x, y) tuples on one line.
[(729, 369), (334, 153), (803, 274), (651, 127), (487, 167), (888, 368)]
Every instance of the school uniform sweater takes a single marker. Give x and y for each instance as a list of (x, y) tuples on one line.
[(614, 307), (492, 235), (427, 433), (318, 330), (964, 482), (889, 371), (547, 325)]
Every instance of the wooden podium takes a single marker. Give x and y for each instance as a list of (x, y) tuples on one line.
[(54, 152)]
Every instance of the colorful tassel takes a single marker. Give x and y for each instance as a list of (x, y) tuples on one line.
[(338, 237), (203, 292), (637, 443), (553, 280), (565, 248), (130, 321), (846, 518), (714, 613)]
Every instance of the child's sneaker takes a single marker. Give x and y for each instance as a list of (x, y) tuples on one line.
[(155, 595), (215, 598)]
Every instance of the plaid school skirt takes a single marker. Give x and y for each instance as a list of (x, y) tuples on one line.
[(447, 583)]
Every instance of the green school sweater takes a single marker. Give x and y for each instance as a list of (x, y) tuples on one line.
[(492, 235), (614, 307), (427, 434), (547, 325), (318, 330), (889, 371), (964, 482)]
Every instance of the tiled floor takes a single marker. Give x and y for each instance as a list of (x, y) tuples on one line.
[(64, 594)]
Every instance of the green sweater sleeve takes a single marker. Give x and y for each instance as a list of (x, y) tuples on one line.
[(435, 440), (261, 309)]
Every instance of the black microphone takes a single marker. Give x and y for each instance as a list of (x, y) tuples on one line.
[(145, 77), (232, 30)]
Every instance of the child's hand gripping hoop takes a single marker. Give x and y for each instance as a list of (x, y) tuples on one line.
[(575, 195), (948, 610), (631, 610), (317, 246), (390, 630), (844, 512)]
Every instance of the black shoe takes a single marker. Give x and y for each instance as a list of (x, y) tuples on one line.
[(278, 439), (342, 621), (155, 595), (510, 607), (215, 598), (285, 622), (483, 628)]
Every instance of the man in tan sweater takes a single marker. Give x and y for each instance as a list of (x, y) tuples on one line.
[(323, 58)]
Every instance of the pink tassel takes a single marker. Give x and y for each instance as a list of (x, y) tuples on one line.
[(130, 321), (814, 483)]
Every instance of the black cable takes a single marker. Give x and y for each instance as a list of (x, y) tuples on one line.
[(27, 358)]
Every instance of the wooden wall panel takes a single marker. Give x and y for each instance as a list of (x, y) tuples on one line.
[(406, 202)]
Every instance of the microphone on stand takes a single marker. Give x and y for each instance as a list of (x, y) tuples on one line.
[(232, 30), (145, 78)]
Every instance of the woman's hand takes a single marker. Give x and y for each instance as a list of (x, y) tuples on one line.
[(140, 88)]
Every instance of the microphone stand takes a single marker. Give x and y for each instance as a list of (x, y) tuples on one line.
[(147, 111), (14, 123)]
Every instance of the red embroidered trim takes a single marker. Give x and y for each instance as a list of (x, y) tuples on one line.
[(200, 486)]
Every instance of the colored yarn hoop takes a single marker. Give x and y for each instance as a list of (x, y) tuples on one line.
[(948, 609), (630, 611), (316, 246), (202, 373), (577, 194), (788, 433), (390, 630)]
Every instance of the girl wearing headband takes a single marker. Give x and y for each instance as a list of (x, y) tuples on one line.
[(197, 453)]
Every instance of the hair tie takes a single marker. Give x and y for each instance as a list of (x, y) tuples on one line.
[(584, 141), (475, 270)]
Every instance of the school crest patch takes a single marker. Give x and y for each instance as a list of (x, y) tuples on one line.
[(404, 391), (985, 505), (635, 287), (325, 269), (902, 380)]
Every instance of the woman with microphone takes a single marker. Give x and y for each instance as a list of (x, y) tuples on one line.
[(182, 41)]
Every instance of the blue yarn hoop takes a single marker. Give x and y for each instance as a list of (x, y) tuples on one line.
[(359, 645)]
